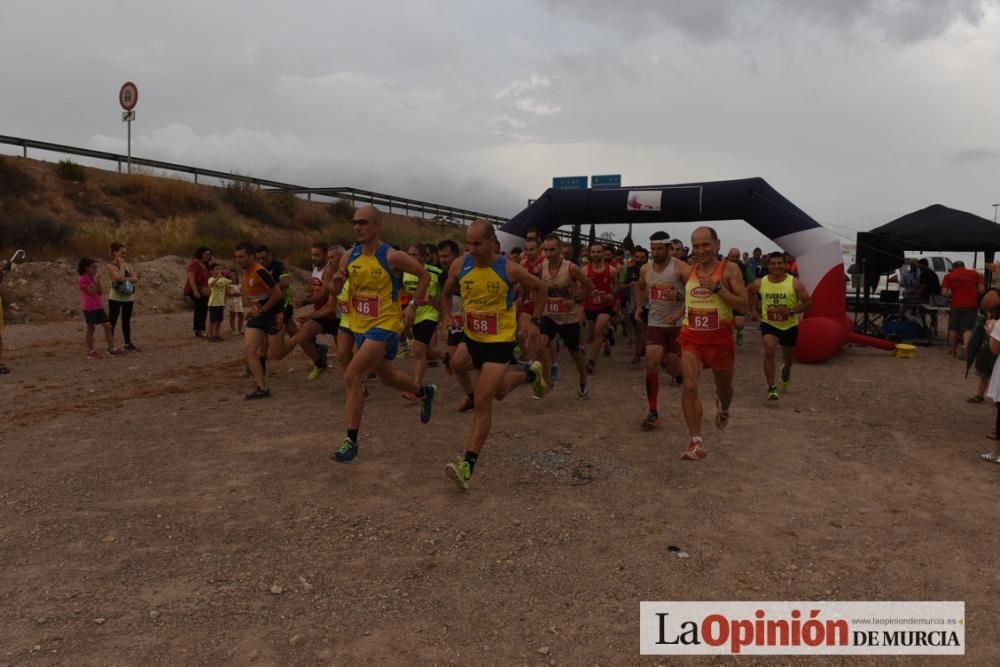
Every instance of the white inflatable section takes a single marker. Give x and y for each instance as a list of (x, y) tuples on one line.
[(508, 241), (817, 251)]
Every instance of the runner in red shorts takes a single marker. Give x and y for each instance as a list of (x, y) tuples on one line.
[(712, 290)]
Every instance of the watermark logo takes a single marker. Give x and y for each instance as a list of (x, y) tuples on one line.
[(802, 628)]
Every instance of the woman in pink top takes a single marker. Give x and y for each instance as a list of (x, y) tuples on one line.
[(93, 308)]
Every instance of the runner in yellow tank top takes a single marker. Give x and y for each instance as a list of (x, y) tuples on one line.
[(713, 290), (782, 298), (486, 282), (375, 272)]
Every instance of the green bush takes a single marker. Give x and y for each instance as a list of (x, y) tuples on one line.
[(71, 171)]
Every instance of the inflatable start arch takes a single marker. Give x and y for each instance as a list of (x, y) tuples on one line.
[(825, 328)]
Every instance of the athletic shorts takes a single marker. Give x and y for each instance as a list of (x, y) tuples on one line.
[(424, 331), (786, 337), (721, 357), (455, 335), (593, 314), (984, 361), (216, 313), (96, 316), (490, 353), (330, 325), (390, 338), (569, 333), (962, 319), (665, 337), (270, 322)]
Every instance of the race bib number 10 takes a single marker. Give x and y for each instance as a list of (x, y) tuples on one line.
[(703, 320), (482, 323), (365, 305), (557, 306)]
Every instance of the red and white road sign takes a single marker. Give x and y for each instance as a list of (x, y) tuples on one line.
[(128, 96)]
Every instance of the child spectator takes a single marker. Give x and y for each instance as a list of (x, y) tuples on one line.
[(234, 304), (218, 283), (93, 308)]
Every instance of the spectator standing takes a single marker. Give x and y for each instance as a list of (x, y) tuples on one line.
[(196, 287), (92, 305), (218, 284), (121, 297), (234, 304), (964, 286)]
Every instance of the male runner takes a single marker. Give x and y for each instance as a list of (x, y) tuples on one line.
[(636, 314), (712, 291), (266, 321), (531, 260), (375, 273), (659, 286), (425, 318), (566, 285), (739, 318), (600, 305), (447, 255), (284, 278), (486, 281), (323, 319), (783, 297)]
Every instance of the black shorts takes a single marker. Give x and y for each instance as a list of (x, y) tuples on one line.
[(962, 319), (786, 337), (271, 322), (424, 331), (594, 314), (96, 316), (456, 336), (330, 325), (570, 333), (984, 361), (490, 353), (216, 313)]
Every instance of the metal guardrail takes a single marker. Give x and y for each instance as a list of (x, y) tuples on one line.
[(354, 195)]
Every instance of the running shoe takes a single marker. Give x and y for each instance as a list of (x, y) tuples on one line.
[(772, 393), (786, 376), (695, 451), (129, 347), (590, 367), (95, 355), (346, 452), (460, 473), (427, 402), (258, 393), (467, 404), (315, 373), (538, 385), (115, 352), (404, 352), (721, 416), (583, 393), (323, 351), (651, 421), (367, 394), (739, 336)]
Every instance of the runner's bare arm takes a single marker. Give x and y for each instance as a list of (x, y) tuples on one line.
[(338, 277), (754, 287), (448, 291), (733, 291), (400, 261), (581, 279), (527, 281), (640, 292), (328, 309), (805, 299)]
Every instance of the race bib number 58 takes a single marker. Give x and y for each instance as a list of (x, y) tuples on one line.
[(703, 320), (482, 323)]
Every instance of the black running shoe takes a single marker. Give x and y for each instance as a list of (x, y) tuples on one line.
[(258, 393)]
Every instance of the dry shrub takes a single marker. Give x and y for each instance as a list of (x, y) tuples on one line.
[(341, 209), (162, 197), (71, 171), (90, 201), (33, 230), (15, 181), (265, 207)]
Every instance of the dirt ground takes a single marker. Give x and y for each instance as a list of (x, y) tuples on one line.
[(150, 516)]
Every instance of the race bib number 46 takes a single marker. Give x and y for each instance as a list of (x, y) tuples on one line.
[(703, 320), (365, 305), (482, 323)]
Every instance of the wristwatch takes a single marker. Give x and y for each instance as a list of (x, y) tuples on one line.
[(717, 288)]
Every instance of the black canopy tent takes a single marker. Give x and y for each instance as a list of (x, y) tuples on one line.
[(936, 227)]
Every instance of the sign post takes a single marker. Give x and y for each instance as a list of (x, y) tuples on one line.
[(606, 181), (128, 97), (569, 183)]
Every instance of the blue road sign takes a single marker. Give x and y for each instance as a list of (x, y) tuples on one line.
[(569, 182), (606, 181)]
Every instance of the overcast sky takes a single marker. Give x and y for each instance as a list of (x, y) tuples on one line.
[(857, 110)]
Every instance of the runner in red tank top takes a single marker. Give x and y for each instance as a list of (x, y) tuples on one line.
[(600, 305), (531, 260), (713, 291)]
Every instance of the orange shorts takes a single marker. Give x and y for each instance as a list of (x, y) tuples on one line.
[(720, 357)]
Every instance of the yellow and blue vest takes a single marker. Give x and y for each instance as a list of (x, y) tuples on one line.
[(374, 291), (488, 301)]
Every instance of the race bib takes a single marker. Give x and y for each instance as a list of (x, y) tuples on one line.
[(775, 314), (482, 323), (557, 306), (365, 305), (703, 320), (344, 307), (659, 293)]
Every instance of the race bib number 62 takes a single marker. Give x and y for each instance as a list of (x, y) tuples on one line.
[(703, 320)]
